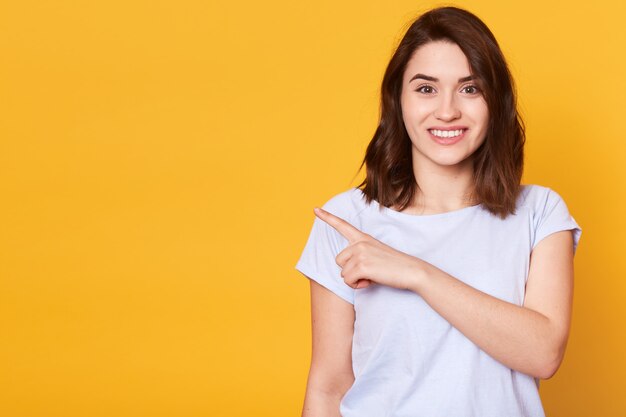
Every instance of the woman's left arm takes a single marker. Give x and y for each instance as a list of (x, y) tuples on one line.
[(529, 338)]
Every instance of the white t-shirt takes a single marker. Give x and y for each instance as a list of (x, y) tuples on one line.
[(408, 361)]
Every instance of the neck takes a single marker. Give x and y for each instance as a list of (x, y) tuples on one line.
[(442, 188)]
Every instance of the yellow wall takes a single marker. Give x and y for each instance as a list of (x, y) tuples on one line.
[(159, 162)]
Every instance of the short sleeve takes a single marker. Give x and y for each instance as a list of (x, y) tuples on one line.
[(317, 261), (553, 216)]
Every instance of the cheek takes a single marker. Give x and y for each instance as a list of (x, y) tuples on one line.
[(408, 116), (483, 111), (478, 112), (414, 111), (405, 108)]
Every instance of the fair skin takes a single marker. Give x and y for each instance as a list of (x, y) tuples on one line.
[(330, 375), (439, 97), (530, 338)]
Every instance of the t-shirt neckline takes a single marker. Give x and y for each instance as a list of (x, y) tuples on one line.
[(408, 216)]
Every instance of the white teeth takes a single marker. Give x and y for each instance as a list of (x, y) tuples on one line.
[(446, 133)]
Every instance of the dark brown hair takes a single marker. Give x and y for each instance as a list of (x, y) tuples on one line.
[(498, 162)]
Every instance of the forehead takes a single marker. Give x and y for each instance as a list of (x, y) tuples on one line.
[(439, 59)]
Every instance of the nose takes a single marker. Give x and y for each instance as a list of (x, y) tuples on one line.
[(447, 108)]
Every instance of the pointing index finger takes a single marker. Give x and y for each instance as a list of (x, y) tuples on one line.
[(343, 227)]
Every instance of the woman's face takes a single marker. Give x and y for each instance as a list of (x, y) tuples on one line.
[(444, 112)]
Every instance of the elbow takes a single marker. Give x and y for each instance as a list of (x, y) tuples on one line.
[(549, 363), (547, 370), (550, 353)]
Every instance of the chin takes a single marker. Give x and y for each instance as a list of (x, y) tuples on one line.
[(451, 160)]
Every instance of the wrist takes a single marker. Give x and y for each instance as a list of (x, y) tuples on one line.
[(417, 275)]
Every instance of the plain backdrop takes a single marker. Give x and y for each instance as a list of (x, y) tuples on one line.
[(160, 160)]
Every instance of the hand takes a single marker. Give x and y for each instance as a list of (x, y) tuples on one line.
[(366, 260)]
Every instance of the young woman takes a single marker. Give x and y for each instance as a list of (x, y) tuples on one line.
[(440, 286)]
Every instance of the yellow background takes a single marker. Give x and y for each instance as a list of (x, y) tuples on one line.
[(159, 162)]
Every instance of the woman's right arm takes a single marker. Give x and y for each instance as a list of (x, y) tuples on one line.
[(330, 375)]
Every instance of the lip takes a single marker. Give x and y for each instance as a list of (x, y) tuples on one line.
[(457, 127), (448, 141)]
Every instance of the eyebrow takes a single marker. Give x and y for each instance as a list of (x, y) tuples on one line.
[(433, 79)]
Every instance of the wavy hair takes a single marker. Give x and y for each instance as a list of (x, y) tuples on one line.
[(498, 162)]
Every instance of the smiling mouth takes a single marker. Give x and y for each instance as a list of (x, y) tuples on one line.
[(447, 133)]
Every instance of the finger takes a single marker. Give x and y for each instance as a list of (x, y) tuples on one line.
[(344, 256), (363, 283), (352, 273), (343, 227)]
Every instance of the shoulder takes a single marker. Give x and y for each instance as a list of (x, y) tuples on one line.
[(548, 212), (544, 204), (347, 204), (536, 197)]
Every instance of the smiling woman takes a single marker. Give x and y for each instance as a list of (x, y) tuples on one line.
[(445, 110), (447, 48), (441, 286)]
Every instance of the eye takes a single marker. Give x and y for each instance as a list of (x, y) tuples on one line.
[(425, 89), (470, 89)]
